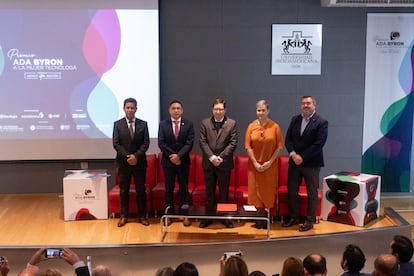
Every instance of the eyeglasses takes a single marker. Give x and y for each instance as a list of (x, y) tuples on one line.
[(218, 109)]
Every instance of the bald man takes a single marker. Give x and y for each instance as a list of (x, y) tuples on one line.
[(386, 265), (315, 265), (101, 270)]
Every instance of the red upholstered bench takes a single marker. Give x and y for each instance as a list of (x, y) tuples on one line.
[(241, 191)]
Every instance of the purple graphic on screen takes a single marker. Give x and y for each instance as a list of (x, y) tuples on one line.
[(102, 41), (101, 48)]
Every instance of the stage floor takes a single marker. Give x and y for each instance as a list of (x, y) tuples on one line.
[(36, 220), (30, 221)]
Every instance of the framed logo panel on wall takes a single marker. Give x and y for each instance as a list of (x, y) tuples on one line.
[(296, 49)]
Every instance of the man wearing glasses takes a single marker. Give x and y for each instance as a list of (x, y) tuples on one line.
[(218, 140)]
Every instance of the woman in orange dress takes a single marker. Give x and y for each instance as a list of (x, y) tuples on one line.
[(263, 143)]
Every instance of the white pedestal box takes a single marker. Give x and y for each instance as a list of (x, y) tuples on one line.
[(351, 198), (85, 194)]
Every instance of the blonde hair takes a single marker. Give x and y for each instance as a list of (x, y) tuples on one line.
[(52, 272)]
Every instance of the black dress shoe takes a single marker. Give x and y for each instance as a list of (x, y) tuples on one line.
[(228, 223), (143, 221), (205, 223), (290, 223), (260, 224), (306, 226), (122, 221)]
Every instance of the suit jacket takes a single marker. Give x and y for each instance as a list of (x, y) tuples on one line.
[(406, 269), (169, 145), (221, 143), (309, 145), (125, 145), (82, 271)]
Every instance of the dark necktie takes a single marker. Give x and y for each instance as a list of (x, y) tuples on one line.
[(131, 128), (176, 129)]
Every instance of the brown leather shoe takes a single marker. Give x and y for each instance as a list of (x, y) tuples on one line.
[(187, 222), (122, 221), (143, 221)]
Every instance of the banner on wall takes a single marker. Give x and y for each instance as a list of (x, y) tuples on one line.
[(296, 49), (389, 101)]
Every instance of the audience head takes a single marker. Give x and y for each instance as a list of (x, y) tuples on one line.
[(292, 267), (165, 271), (52, 272), (353, 259), (31, 270), (386, 265), (257, 273), (234, 266), (314, 264), (101, 270), (186, 269), (402, 248)]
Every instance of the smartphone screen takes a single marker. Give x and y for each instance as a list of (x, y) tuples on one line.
[(53, 253)]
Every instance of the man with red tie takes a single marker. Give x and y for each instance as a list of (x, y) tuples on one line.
[(175, 140), (131, 141)]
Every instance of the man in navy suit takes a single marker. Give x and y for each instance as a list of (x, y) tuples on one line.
[(131, 141), (218, 140), (175, 140), (305, 138)]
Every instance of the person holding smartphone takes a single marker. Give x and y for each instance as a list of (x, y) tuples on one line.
[(44, 254)]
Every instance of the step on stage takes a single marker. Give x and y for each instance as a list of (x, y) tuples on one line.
[(30, 221)]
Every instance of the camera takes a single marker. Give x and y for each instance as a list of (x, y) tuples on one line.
[(2, 260), (229, 254), (53, 253)]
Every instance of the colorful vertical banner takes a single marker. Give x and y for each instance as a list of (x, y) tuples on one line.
[(296, 49), (389, 101)]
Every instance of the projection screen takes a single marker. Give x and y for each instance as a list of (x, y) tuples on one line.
[(65, 71)]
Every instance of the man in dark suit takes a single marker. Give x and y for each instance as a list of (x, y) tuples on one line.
[(175, 140), (305, 138), (218, 140), (131, 141)]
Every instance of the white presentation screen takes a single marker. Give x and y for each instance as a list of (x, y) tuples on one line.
[(64, 74)]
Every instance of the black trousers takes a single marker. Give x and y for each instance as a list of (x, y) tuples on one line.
[(311, 177), (213, 176), (125, 173), (181, 173)]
